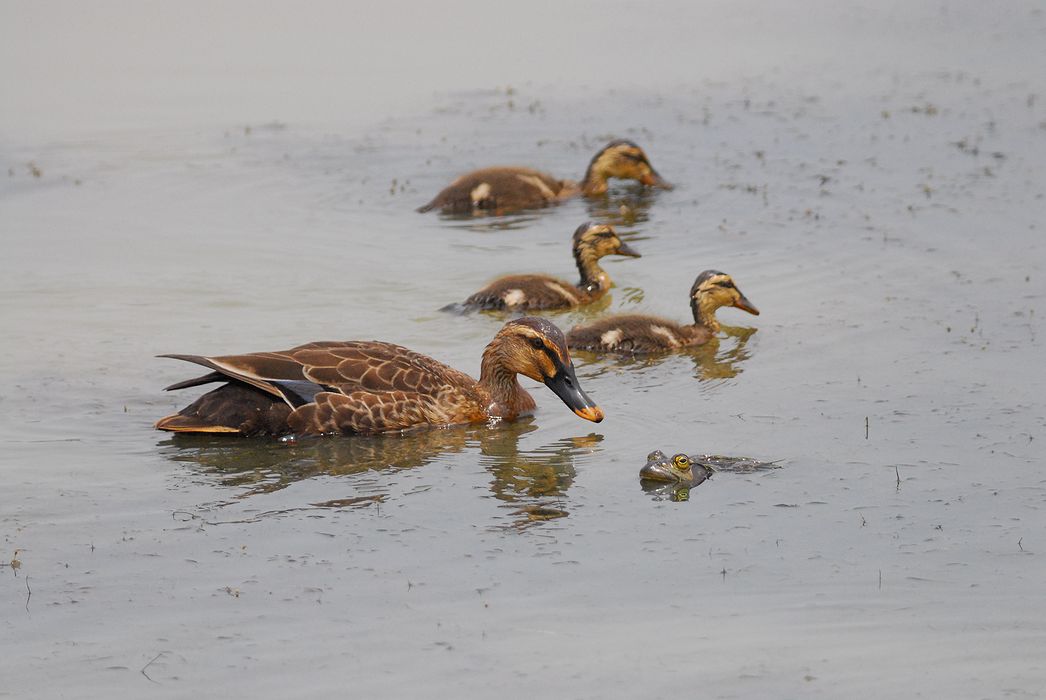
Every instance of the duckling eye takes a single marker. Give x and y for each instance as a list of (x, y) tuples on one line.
[(726, 284)]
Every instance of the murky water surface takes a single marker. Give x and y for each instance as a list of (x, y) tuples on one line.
[(887, 220)]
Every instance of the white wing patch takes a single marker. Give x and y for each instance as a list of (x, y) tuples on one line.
[(514, 297), (666, 334), (480, 192), (560, 289), (611, 338), (537, 182)]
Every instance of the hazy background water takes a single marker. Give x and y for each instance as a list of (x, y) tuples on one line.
[(189, 178)]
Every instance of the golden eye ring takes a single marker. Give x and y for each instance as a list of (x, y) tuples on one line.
[(681, 461)]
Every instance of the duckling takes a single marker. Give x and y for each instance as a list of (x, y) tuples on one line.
[(501, 190), (370, 387), (637, 334), (591, 242)]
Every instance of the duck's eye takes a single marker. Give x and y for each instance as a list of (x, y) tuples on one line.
[(727, 284), (536, 343)]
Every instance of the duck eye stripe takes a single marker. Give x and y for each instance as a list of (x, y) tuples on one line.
[(553, 357)]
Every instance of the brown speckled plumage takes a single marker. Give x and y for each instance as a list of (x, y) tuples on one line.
[(640, 334), (531, 292), (369, 387), (501, 190)]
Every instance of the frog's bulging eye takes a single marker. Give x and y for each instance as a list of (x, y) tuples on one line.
[(681, 461)]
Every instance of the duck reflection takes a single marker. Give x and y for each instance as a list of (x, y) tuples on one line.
[(489, 224), (623, 206), (723, 358), (532, 482)]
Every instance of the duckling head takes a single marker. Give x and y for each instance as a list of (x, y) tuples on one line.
[(536, 348), (713, 289), (593, 241), (621, 159)]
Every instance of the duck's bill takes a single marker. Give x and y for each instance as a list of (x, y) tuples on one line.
[(566, 387), (746, 305), (628, 251), (653, 179)]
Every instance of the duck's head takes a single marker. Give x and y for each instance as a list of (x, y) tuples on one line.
[(713, 289), (621, 159), (592, 241), (536, 348)]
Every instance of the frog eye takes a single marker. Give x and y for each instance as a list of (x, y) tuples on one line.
[(681, 461)]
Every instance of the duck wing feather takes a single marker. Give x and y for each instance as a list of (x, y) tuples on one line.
[(329, 387), (369, 412)]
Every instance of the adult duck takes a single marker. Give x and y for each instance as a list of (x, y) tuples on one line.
[(591, 242), (640, 334), (501, 190), (369, 387)]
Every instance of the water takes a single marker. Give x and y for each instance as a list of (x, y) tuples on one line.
[(883, 210)]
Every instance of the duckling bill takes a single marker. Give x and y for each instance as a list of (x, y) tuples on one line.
[(641, 334), (501, 190), (370, 387), (591, 242)]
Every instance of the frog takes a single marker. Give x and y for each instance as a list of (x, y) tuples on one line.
[(681, 469)]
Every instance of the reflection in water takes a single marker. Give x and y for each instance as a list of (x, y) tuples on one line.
[(264, 465), (483, 222), (537, 478), (532, 514), (623, 206), (523, 478), (719, 358), (668, 492), (712, 361)]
